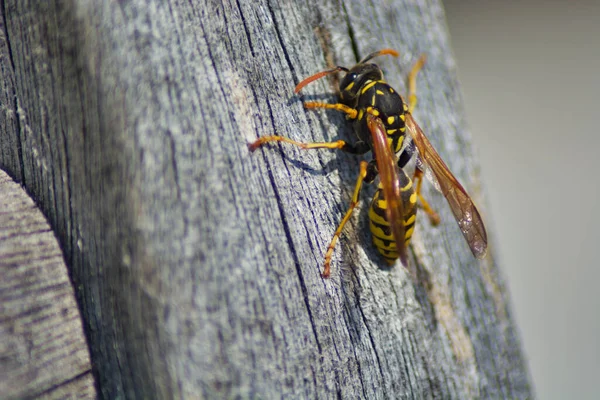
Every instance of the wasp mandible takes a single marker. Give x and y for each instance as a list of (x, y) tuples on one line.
[(381, 119)]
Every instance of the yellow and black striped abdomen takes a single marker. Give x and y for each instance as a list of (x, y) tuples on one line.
[(380, 227)]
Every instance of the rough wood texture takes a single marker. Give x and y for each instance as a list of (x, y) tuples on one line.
[(43, 352), (197, 263)]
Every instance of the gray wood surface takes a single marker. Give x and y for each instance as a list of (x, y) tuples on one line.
[(43, 351), (197, 264)]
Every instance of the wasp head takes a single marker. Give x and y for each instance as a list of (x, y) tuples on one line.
[(355, 79)]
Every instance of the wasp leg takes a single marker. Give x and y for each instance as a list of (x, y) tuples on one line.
[(349, 111), (323, 145), (409, 151), (433, 216), (361, 176), (357, 148), (412, 82)]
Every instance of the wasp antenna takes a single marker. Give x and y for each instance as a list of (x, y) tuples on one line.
[(316, 76), (384, 52)]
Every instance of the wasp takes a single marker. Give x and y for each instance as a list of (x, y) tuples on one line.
[(381, 119)]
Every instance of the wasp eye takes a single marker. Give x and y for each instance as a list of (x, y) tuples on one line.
[(352, 76)]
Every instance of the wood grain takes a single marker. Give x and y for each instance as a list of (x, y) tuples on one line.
[(197, 263), (43, 351)]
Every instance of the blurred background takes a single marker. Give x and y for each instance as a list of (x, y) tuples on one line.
[(530, 73)]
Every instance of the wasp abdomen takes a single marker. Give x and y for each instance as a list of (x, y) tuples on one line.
[(383, 238)]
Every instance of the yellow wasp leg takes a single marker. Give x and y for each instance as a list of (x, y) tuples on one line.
[(412, 102), (412, 82), (338, 232), (433, 216), (340, 144), (349, 111), (318, 145)]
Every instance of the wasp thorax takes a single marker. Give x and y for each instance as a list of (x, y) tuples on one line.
[(355, 79)]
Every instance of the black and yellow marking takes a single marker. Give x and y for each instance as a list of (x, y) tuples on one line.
[(380, 100), (363, 91), (381, 232), (368, 86)]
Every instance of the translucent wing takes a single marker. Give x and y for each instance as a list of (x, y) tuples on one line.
[(389, 176), (467, 216)]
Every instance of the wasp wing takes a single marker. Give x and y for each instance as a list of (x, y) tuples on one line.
[(389, 176), (465, 212)]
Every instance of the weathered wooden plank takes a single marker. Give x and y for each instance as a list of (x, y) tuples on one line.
[(42, 346), (198, 262)]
